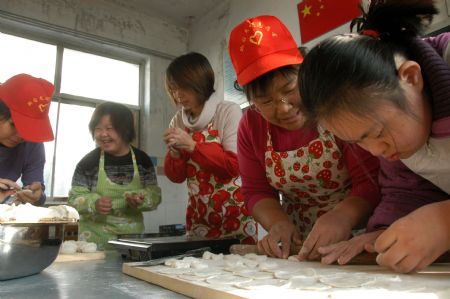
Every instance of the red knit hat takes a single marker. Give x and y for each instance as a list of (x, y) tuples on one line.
[(259, 45), (28, 98)]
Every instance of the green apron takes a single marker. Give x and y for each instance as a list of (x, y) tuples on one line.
[(122, 218)]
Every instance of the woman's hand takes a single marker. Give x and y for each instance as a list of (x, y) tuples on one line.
[(280, 238), (344, 251), (134, 199), (7, 188), (177, 139), (31, 193), (330, 228), (103, 205), (415, 241)]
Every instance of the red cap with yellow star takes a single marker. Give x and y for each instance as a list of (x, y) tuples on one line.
[(259, 45), (28, 99)]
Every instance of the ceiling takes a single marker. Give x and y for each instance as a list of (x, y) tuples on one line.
[(179, 12)]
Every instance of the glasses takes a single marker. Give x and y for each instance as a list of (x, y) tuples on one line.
[(270, 105)]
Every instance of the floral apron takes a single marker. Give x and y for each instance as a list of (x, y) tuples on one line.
[(215, 206), (122, 219), (312, 179)]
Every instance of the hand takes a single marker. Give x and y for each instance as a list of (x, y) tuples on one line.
[(103, 205), (177, 139), (282, 234), (415, 241), (344, 251), (31, 193), (134, 199), (330, 228), (7, 188)]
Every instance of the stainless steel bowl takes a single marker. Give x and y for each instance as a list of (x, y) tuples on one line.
[(28, 248)]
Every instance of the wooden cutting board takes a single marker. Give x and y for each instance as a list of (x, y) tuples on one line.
[(80, 256), (433, 280)]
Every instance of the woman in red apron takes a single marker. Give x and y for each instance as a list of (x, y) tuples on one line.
[(201, 142), (327, 187)]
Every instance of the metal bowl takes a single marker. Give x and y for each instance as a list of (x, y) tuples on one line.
[(28, 248)]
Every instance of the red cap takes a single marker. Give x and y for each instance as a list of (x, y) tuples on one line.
[(259, 45), (28, 98)]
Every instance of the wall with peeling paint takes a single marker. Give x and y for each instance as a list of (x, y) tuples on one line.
[(108, 19)]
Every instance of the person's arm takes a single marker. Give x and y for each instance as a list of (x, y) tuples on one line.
[(149, 197), (175, 168), (282, 235), (81, 196), (213, 158), (260, 197), (33, 173), (415, 241), (354, 210), (221, 159)]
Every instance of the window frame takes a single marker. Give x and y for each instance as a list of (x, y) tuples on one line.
[(64, 38)]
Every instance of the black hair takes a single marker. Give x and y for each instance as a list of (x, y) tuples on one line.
[(5, 113), (121, 119), (259, 86), (354, 71), (191, 71)]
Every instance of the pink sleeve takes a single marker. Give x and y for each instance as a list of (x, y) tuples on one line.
[(250, 147), (212, 157), (363, 170)]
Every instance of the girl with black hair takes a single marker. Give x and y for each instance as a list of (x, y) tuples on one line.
[(388, 90)]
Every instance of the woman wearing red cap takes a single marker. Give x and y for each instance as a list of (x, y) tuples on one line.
[(328, 188), (24, 125), (202, 151)]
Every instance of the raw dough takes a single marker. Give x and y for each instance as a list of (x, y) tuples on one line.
[(262, 283), (256, 257), (348, 280), (207, 272), (72, 247), (68, 247), (293, 258), (268, 266), (191, 277), (307, 283), (178, 264), (174, 271), (227, 279), (256, 275), (306, 272), (88, 247)]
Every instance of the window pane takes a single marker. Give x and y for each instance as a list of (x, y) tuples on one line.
[(21, 55), (74, 142), (98, 77)]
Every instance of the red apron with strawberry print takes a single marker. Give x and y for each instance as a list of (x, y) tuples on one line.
[(312, 179), (216, 207)]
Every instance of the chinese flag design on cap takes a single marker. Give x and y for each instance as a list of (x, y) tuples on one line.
[(320, 16)]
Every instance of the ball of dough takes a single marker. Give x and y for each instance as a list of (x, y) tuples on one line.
[(68, 247)]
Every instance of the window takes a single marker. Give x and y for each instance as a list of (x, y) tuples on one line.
[(231, 93), (85, 79)]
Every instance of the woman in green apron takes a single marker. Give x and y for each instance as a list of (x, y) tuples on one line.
[(113, 184)]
